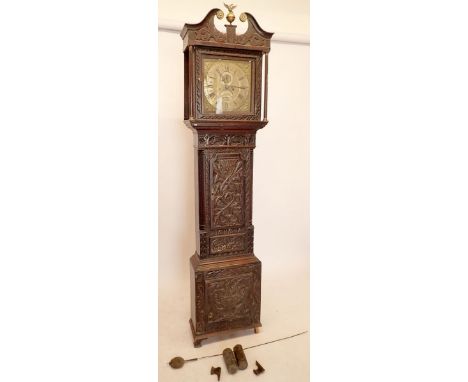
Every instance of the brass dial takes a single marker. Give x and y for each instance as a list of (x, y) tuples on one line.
[(227, 85)]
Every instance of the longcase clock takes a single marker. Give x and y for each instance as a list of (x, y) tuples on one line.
[(223, 107)]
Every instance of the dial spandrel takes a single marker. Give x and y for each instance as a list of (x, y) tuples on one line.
[(227, 86)]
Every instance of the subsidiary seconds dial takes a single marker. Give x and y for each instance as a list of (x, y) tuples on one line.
[(227, 85)]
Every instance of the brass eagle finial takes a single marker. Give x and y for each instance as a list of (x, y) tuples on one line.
[(230, 16)]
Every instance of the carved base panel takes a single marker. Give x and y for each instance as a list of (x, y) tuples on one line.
[(225, 295)]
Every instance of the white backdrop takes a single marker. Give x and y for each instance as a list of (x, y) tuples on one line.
[(280, 198)]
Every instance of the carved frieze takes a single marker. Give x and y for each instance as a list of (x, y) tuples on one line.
[(207, 34), (229, 243), (251, 39), (226, 140), (227, 231)]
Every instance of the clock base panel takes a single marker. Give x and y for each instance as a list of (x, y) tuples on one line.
[(225, 296)]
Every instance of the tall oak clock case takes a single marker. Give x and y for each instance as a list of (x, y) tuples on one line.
[(223, 106)]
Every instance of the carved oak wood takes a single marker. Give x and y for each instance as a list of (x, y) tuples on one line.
[(225, 273)]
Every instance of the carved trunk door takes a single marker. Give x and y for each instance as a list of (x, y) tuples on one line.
[(226, 206)]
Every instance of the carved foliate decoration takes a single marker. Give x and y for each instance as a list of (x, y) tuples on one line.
[(256, 296), (227, 231), (227, 191), (247, 156), (204, 244), (251, 39), (199, 302), (226, 197), (206, 33), (229, 298)]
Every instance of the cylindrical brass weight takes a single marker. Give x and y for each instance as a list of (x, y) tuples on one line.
[(240, 357), (230, 360)]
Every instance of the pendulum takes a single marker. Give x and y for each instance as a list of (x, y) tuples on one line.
[(178, 362)]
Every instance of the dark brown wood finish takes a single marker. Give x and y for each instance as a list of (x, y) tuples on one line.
[(225, 273)]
